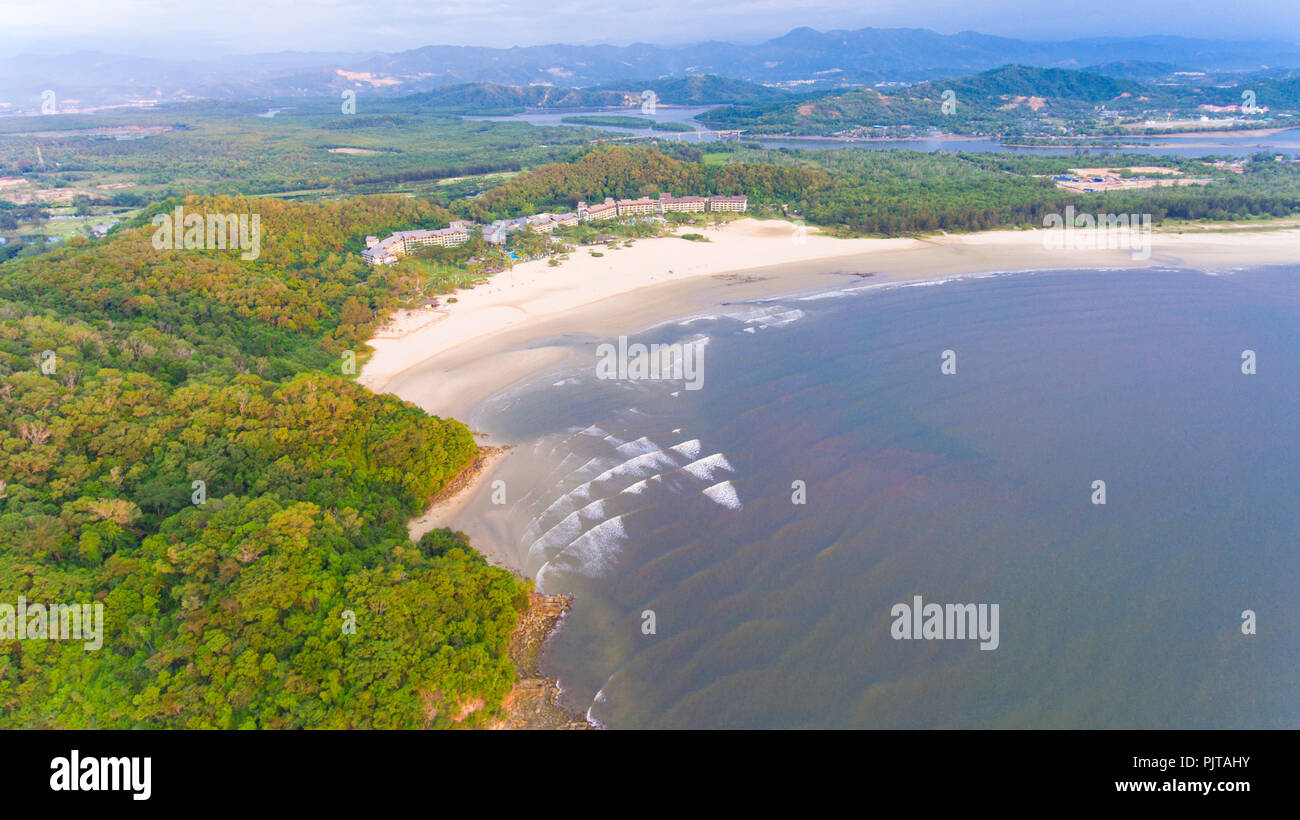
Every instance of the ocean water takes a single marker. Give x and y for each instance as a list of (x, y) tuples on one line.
[(973, 487)]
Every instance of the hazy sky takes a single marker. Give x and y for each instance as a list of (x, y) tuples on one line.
[(196, 28)]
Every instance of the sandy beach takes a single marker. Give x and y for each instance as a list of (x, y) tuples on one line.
[(443, 508), (423, 357), (526, 320)]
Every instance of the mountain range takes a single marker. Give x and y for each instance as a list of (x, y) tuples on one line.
[(801, 59)]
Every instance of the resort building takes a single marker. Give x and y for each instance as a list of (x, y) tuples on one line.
[(644, 205), (606, 210), (498, 232), (393, 247), (543, 222), (666, 203), (682, 204), (728, 203), (388, 250)]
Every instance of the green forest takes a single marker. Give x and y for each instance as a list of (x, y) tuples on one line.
[(889, 193), (184, 442), (1010, 100), (311, 151)]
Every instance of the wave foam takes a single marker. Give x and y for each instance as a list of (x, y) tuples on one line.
[(591, 553), (724, 493), (705, 468)]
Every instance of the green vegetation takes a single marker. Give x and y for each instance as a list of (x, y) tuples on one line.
[(493, 99), (701, 89), (307, 152), (1009, 101), (606, 121), (603, 121), (630, 172), (861, 191), (678, 127), (225, 602)]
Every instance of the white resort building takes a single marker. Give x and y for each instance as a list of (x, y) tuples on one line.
[(545, 222), (632, 207), (388, 250), (666, 203), (728, 203), (605, 210), (682, 204)]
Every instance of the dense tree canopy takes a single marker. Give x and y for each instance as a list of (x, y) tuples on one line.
[(181, 444)]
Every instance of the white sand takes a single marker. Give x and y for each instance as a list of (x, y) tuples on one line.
[(534, 289), (423, 341), (449, 360)]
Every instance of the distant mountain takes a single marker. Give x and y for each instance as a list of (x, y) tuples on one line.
[(495, 98), (803, 58), (805, 55), (1144, 70), (995, 88), (1013, 98), (705, 89), (989, 96)]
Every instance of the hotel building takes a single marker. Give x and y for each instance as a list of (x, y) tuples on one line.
[(644, 205), (605, 210), (682, 204), (728, 203), (388, 250)]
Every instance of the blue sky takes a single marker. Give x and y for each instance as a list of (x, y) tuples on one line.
[(193, 28)]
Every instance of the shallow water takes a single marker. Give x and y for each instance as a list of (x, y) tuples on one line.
[(974, 487)]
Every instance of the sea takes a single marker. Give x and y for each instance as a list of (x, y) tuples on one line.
[(1109, 457)]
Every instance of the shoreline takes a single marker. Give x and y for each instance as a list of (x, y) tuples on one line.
[(455, 356), (534, 317), (533, 702), (452, 369), (444, 506)]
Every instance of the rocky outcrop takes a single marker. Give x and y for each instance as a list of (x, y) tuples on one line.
[(532, 703)]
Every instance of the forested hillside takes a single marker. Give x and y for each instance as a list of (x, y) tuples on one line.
[(131, 158), (494, 98), (620, 171), (183, 443), (1012, 99), (889, 192)]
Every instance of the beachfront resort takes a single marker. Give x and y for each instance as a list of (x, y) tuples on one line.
[(388, 250)]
